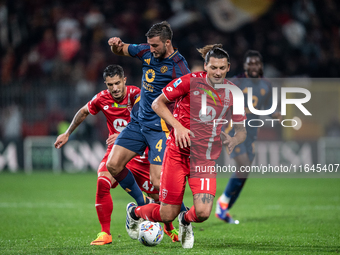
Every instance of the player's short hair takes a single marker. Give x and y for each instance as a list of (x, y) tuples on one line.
[(163, 30), (252, 53), (113, 70), (213, 50)]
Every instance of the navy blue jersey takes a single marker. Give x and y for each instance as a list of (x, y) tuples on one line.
[(262, 98), (157, 73)]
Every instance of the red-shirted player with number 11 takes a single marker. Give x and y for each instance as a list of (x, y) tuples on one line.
[(195, 141)]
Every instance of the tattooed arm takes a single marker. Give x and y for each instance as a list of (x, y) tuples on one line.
[(77, 119)]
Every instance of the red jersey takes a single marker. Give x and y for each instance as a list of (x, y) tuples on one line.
[(187, 91), (117, 113)]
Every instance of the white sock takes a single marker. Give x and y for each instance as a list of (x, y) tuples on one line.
[(224, 199)]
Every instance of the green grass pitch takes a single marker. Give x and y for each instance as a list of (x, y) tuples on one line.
[(45, 213)]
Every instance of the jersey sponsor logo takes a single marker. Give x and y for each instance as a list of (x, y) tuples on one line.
[(211, 114), (164, 193), (226, 101), (150, 75), (169, 89), (106, 107), (196, 92), (132, 91), (213, 95), (176, 83), (148, 86), (119, 124), (164, 69), (147, 61), (119, 105), (157, 159)]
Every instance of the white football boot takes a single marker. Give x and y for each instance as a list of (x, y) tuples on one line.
[(185, 233)]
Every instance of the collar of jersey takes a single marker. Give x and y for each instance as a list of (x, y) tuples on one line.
[(173, 54)]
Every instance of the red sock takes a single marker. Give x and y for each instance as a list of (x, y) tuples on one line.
[(168, 226), (104, 204), (150, 212), (190, 216)]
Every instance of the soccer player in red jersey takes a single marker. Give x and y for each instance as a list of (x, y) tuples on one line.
[(194, 143), (116, 103)]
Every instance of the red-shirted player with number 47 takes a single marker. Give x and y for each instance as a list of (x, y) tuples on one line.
[(194, 143), (116, 103)]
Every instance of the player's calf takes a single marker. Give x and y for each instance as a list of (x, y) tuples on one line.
[(169, 212), (203, 204)]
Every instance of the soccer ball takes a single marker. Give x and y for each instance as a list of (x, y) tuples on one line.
[(150, 233)]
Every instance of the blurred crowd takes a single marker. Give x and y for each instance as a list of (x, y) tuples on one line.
[(53, 52)]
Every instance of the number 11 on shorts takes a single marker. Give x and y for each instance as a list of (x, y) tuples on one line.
[(202, 183)]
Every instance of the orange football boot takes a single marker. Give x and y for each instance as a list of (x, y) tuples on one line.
[(102, 238), (173, 234)]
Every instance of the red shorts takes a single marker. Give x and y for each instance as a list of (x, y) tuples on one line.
[(140, 171), (176, 168)]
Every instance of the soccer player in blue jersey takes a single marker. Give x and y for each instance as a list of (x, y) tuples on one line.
[(161, 64), (244, 153)]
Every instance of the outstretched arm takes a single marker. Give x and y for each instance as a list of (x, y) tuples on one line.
[(118, 47), (77, 119), (181, 133)]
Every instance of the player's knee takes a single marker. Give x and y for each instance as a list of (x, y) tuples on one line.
[(168, 216), (203, 215), (112, 167), (155, 182), (153, 196)]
